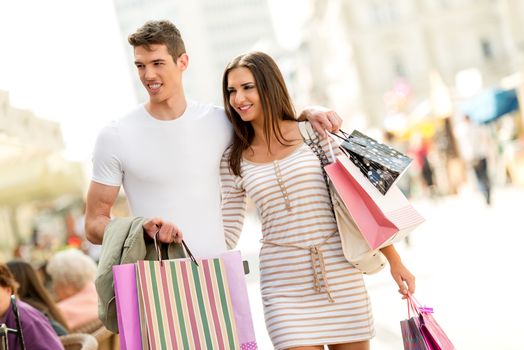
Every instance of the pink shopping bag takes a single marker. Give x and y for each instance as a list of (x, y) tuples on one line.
[(433, 335), (127, 310), (381, 219), (412, 337), (240, 300)]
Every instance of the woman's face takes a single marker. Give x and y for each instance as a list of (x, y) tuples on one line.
[(243, 94), (5, 299)]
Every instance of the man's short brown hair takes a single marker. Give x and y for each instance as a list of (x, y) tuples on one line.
[(7, 280), (159, 32)]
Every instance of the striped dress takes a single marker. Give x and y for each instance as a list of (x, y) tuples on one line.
[(311, 294)]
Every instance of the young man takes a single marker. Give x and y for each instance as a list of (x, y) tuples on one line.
[(166, 153)]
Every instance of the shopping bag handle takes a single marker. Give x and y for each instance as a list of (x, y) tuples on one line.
[(189, 253), (331, 153), (313, 139), (184, 245), (415, 306), (352, 139), (419, 305), (344, 136), (349, 137)]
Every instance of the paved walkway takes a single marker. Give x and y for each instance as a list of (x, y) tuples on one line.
[(469, 267)]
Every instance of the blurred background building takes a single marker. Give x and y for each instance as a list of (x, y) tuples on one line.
[(33, 174), (388, 42)]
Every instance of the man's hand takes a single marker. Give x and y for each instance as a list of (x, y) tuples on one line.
[(167, 231), (322, 119)]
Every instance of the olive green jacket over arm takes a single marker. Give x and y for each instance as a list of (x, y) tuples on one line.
[(124, 242)]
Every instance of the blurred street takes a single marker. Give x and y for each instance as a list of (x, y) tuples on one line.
[(468, 268)]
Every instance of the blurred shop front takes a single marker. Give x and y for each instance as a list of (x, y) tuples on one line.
[(39, 189), (427, 131), (500, 110), (423, 130)]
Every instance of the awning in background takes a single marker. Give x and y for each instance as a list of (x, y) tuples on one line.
[(39, 177), (422, 121), (490, 105)]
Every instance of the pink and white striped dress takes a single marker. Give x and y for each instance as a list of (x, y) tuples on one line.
[(311, 294)]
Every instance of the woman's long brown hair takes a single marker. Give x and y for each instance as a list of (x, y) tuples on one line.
[(274, 97), (33, 292)]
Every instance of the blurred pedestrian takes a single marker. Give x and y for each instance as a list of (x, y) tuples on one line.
[(405, 182), (166, 153), (474, 146), (32, 291), (73, 274), (312, 295), (35, 327), (419, 150)]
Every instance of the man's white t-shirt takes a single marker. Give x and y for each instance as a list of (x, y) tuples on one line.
[(170, 169)]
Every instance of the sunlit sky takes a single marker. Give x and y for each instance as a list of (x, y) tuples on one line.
[(65, 61)]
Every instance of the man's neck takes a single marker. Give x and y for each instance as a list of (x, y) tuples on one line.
[(169, 109)]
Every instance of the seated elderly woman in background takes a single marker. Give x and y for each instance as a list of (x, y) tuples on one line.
[(37, 331), (73, 275), (32, 291)]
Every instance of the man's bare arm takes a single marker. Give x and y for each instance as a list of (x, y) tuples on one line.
[(100, 200)]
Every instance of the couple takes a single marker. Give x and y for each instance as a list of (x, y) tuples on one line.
[(170, 156)]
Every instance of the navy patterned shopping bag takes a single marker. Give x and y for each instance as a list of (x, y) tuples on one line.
[(381, 164)]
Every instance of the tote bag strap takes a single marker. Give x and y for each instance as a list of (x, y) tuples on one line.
[(184, 245), (312, 140), (310, 137)]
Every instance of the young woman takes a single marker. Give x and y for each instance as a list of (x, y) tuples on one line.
[(311, 295), (36, 329), (32, 291)]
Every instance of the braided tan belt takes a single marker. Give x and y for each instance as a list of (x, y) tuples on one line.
[(317, 258)]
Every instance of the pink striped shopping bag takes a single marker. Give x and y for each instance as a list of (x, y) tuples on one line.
[(185, 305)]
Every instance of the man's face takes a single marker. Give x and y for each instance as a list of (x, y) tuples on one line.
[(159, 73)]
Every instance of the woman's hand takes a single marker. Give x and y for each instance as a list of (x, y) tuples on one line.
[(321, 119), (168, 232), (401, 275)]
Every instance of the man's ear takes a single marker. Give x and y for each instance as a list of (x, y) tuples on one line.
[(183, 61)]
